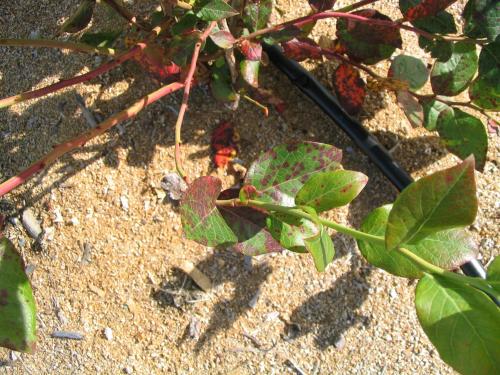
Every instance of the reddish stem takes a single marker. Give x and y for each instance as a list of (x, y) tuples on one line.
[(185, 98), (72, 81), (79, 141), (330, 14)]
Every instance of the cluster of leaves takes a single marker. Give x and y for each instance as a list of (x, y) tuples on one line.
[(420, 236)]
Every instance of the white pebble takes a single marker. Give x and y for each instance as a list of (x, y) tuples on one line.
[(108, 333), (124, 202), (31, 223)]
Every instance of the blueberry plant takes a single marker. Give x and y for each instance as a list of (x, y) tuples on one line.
[(280, 201)]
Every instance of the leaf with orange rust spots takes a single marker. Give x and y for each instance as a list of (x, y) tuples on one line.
[(300, 49), (418, 9), (365, 42), (350, 88), (281, 172)]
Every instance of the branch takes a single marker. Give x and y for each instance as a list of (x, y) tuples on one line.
[(185, 98), (36, 43), (302, 21), (79, 141), (127, 15), (72, 81)]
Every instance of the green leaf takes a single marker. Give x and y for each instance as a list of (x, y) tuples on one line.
[(462, 323), (250, 72), (441, 50), (481, 19), (81, 18), (186, 22), (485, 89), (494, 270), (280, 173), (432, 109), (257, 13), (327, 190), (443, 200), (17, 305), (221, 86), (216, 10), (201, 220), (451, 77), (181, 48), (411, 107), (291, 231), (409, 69), (321, 248), (103, 39), (447, 249), (463, 134), (368, 43)]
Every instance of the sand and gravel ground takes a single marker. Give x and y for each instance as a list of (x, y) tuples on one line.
[(116, 268)]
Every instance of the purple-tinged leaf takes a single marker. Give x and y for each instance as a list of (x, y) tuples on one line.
[(365, 42), (349, 88), (463, 135), (251, 50), (447, 249), (411, 107), (299, 49), (415, 10), (17, 305), (443, 200), (81, 18), (201, 220), (321, 248), (223, 39), (281, 172), (327, 190), (451, 77)]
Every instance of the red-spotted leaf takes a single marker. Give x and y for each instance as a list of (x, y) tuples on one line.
[(223, 39), (462, 322), (321, 248), (409, 69), (417, 9), (17, 305), (463, 134), (249, 225), (443, 200), (290, 231), (250, 72), (481, 19), (485, 89), (447, 249), (451, 77), (251, 50), (201, 220), (365, 42), (349, 87), (321, 5), (281, 172), (81, 18), (256, 14), (432, 110), (327, 190), (411, 107), (300, 49)]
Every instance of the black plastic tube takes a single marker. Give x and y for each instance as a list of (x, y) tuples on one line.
[(304, 81)]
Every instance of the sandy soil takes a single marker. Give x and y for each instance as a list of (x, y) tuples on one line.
[(111, 267)]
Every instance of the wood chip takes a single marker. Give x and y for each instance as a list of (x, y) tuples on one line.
[(198, 277), (67, 335)]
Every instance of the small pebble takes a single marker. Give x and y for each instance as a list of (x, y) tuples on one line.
[(124, 203), (253, 302), (13, 356), (74, 221), (31, 224), (340, 342), (30, 268), (108, 333), (128, 370), (58, 218), (67, 335), (174, 185)]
